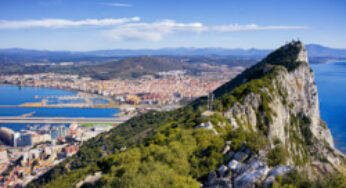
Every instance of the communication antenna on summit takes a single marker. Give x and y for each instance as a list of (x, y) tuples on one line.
[(210, 101), (82, 137)]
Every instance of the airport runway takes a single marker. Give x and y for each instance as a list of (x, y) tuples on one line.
[(57, 120)]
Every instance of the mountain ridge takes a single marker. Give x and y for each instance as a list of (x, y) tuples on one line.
[(265, 130), (315, 51)]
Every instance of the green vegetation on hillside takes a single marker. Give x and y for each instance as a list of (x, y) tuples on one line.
[(263, 86), (93, 124), (295, 179), (277, 155), (286, 56), (162, 149)]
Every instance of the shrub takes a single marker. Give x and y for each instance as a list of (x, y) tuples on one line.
[(278, 155), (301, 179), (256, 141)]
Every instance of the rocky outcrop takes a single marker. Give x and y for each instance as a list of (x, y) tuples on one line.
[(293, 106), (249, 170), (218, 182), (277, 98)]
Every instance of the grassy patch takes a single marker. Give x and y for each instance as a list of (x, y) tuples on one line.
[(93, 124)]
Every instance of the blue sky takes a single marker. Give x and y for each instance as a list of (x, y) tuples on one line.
[(81, 25)]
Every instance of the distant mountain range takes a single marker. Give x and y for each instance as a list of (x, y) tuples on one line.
[(133, 67), (183, 52), (316, 52)]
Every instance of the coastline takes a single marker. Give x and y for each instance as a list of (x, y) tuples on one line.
[(110, 102)]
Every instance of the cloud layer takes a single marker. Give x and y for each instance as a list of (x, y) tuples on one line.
[(157, 30), (151, 31), (236, 27), (132, 29), (61, 23)]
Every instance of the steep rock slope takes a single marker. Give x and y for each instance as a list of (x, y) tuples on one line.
[(279, 98)]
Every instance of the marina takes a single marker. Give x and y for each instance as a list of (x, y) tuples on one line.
[(60, 107)]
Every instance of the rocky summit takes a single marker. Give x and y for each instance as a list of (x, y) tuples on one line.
[(277, 97), (262, 128)]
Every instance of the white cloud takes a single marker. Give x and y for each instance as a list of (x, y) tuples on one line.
[(131, 29), (236, 27), (151, 31), (117, 4), (61, 23), (157, 30)]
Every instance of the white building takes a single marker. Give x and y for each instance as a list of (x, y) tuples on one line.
[(3, 156), (16, 139)]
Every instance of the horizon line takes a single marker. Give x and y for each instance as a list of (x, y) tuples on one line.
[(154, 49)]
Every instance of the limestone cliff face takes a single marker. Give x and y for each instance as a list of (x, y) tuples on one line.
[(277, 100), (287, 108)]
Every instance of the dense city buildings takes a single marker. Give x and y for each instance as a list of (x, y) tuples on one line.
[(33, 151), (162, 88)]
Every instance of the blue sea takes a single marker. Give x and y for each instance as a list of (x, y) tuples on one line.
[(331, 85), (14, 95)]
